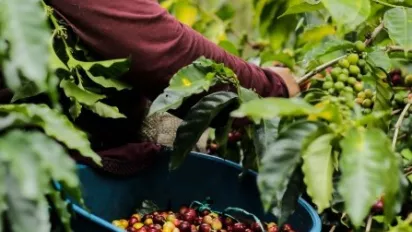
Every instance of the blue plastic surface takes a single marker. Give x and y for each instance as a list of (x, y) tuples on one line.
[(109, 198)]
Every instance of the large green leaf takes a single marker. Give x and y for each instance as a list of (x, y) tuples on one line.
[(24, 26), (61, 208), (55, 125), (246, 95), (399, 24), (326, 48), (382, 104), (379, 59), (25, 214), (110, 69), (368, 165), (316, 34), (318, 169), (289, 201), (197, 121), (348, 12), (26, 90), (108, 82), (301, 6), (188, 81), (83, 96), (280, 160), (269, 108), (106, 111), (266, 133)]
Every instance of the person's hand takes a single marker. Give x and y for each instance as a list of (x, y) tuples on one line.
[(289, 79)]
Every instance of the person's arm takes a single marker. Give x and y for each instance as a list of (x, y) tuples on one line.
[(158, 44)]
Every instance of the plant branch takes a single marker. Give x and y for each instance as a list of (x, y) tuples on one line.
[(385, 3), (375, 33), (332, 229), (399, 124), (320, 68), (369, 224)]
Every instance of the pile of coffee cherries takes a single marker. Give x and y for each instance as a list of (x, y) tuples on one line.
[(192, 220)]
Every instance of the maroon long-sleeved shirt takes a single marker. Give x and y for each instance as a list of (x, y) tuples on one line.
[(159, 46)]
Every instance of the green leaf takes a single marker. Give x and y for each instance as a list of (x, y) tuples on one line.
[(83, 96), (382, 104), (110, 69), (197, 121), (55, 125), (268, 108), (26, 90), (380, 59), (368, 165), (316, 34), (190, 80), (280, 160), (266, 133), (399, 24), (326, 48), (222, 135), (301, 6), (348, 12), (289, 201), (25, 214), (246, 95), (106, 111), (107, 82), (24, 26), (75, 109), (61, 208), (229, 47), (318, 170)]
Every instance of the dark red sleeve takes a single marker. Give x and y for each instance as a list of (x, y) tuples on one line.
[(158, 44)]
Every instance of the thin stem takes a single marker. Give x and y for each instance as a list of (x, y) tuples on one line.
[(320, 68), (369, 224), (399, 124), (332, 229), (395, 112), (375, 33)]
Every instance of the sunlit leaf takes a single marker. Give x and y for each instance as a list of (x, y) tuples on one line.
[(368, 165), (83, 96), (108, 82), (302, 6), (268, 108), (316, 34), (318, 169), (379, 59), (229, 47), (185, 13), (399, 24), (23, 23), (106, 111), (348, 12), (280, 160)]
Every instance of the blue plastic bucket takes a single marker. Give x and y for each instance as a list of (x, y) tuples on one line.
[(109, 198)]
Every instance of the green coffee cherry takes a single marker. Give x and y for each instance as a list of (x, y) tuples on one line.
[(344, 63), (408, 80), (367, 111), (353, 58), (351, 80), (348, 89), (328, 78), (368, 93), (361, 95), (354, 70), (345, 71), (361, 63), (327, 85), (342, 77), (335, 72), (359, 101), (358, 87), (360, 46), (367, 103), (339, 85)]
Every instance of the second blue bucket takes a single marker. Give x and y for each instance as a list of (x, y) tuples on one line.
[(109, 198)]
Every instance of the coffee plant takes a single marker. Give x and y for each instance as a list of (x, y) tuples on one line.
[(344, 142)]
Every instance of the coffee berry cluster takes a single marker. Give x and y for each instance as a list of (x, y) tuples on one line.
[(193, 220)]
